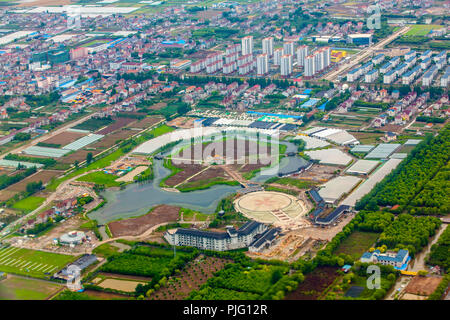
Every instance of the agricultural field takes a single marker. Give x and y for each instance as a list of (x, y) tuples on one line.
[(44, 176), (146, 261), (93, 124), (195, 274), (64, 138), (37, 264), (112, 138), (145, 123), (18, 288), (422, 29), (357, 243), (239, 282), (367, 137), (119, 122), (314, 285), (28, 204)]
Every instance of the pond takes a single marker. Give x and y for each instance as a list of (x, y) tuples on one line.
[(136, 199)]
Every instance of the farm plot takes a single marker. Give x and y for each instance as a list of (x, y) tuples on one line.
[(28, 204), (111, 139), (239, 282), (64, 138), (145, 123), (44, 176), (185, 171), (357, 243), (195, 274), (38, 264), (314, 284), (119, 284), (7, 194), (367, 137), (136, 226), (423, 286), (17, 288), (209, 176), (117, 124), (94, 124), (146, 261), (79, 156)]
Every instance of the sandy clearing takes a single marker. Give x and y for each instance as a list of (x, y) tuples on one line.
[(130, 175)]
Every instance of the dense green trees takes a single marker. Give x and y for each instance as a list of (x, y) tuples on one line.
[(408, 232), (413, 175), (440, 251)]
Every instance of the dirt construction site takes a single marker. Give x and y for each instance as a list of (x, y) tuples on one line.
[(301, 242)]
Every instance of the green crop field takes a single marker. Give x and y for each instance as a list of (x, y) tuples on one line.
[(17, 288), (101, 178), (422, 29), (28, 204), (357, 243), (32, 263)]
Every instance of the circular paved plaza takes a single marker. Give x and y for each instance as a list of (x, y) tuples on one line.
[(270, 206)]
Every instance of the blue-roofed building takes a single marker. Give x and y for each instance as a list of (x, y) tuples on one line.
[(399, 260), (315, 196)]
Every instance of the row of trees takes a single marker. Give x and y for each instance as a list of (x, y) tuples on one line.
[(6, 180), (45, 161)]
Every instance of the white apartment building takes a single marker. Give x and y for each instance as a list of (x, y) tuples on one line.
[(288, 47), (302, 52), (267, 46), (247, 45), (277, 56), (262, 64), (310, 67), (286, 64)]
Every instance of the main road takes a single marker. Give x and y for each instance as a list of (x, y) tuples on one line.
[(364, 54)]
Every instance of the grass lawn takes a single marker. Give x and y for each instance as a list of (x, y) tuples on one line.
[(32, 263), (357, 243), (28, 204), (191, 215), (17, 288), (99, 164), (422, 29), (161, 130), (100, 178), (106, 250), (301, 184)]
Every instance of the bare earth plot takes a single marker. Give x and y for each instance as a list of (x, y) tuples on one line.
[(118, 284), (136, 226), (130, 175), (64, 138), (423, 286), (44, 176)]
